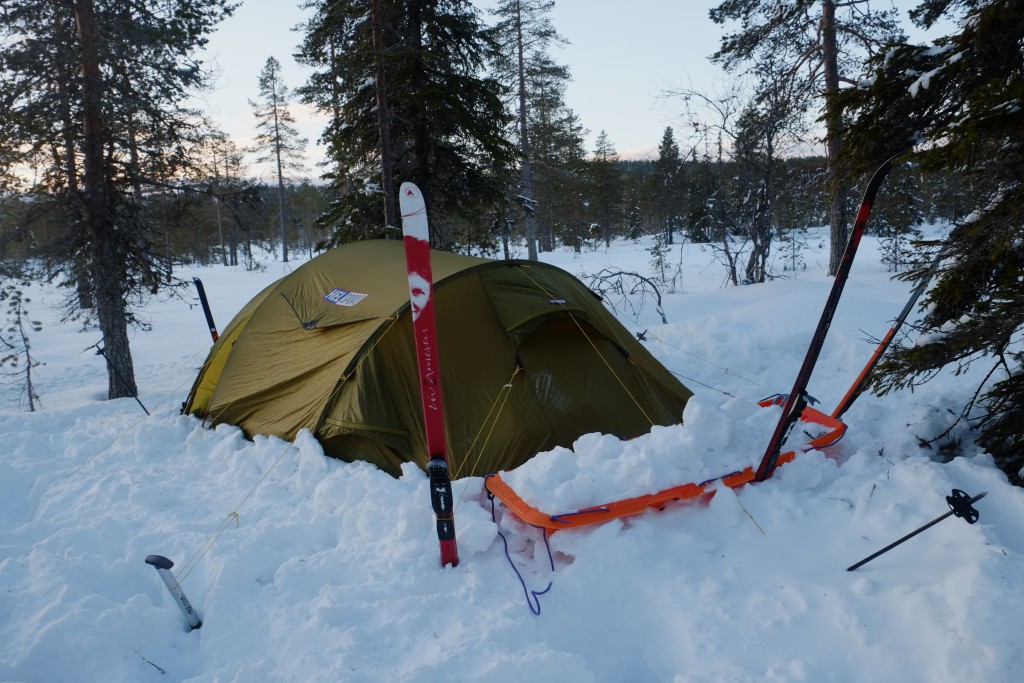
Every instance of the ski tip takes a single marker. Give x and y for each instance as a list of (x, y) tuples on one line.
[(409, 191), (159, 561)]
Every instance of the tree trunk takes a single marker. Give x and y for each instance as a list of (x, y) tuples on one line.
[(524, 143), (833, 136), (383, 121), (421, 143), (280, 186), (107, 267)]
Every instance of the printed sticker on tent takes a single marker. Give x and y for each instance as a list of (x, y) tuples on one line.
[(341, 297)]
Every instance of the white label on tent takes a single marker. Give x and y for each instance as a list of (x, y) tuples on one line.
[(341, 297)]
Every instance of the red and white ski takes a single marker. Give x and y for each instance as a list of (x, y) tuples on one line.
[(416, 235)]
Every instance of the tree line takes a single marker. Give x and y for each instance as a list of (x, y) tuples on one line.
[(109, 176)]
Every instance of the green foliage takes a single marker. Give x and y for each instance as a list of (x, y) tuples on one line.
[(96, 101), (447, 122), (669, 187), (959, 102), (16, 359)]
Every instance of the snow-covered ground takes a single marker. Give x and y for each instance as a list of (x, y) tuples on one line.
[(329, 571)]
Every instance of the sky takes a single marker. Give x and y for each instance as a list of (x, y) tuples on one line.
[(621, 62), (622, 59)]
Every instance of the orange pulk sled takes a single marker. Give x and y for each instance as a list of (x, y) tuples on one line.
[(795, 408)]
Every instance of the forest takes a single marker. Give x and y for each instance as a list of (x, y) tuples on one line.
[(111, 176)]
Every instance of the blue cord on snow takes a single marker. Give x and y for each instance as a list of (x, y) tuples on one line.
[(532, 597)]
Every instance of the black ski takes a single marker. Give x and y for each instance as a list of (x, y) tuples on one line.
[(206, 307), (796, 401)]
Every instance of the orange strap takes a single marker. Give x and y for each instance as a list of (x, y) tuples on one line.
[(497, 486)]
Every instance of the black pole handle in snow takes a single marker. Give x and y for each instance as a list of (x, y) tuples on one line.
[(960, 505), (163, 568)]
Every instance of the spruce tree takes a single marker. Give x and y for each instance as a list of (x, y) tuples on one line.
[(897, 219), (956, 103), (95, 97), (669, 190), (446, 121), (607, 187), (277, 139)]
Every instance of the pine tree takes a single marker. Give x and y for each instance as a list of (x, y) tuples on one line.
[(556, 143), (958, 100), (446, 122), (818, 44), (669, 189), (525, 34), (277, 140), (95, 96)]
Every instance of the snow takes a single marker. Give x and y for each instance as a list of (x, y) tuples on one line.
[(307, 569)]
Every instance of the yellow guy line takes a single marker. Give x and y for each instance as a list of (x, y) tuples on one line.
[(555, 299), (499, 403), (233, 515)]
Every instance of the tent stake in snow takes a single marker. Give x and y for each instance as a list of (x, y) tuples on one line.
[(206, 307), (960, 504), (163, 568)]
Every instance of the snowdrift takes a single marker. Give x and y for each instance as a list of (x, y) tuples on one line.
[(329, 571)]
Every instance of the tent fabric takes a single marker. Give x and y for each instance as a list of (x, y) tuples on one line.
[(530, 359)]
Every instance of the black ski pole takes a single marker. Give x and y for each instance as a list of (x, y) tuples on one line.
[(206, 307), (960, 505)]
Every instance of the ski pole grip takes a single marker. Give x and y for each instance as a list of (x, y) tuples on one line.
[(163, 568)]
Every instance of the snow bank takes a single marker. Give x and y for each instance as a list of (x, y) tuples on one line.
[(307, 569)]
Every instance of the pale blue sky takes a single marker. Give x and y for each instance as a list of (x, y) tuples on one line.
[(622, 54)]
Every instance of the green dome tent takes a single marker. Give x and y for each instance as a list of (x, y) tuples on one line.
[(530, 359)]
